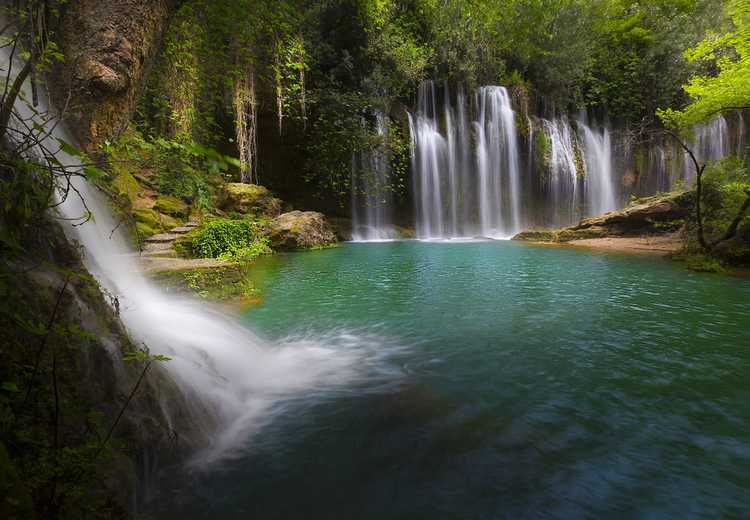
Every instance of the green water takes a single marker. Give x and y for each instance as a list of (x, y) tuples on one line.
[(516, 382)]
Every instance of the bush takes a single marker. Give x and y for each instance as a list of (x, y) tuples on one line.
[(724, 185), (228, 239)]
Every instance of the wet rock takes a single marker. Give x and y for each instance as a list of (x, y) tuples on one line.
[(301, 230), (661, 214), (249, 199)]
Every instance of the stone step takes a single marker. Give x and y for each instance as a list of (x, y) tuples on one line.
[(182, 230), (155, 247), (163, 237)]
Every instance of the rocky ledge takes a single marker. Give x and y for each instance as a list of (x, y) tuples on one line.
[(648, 224)]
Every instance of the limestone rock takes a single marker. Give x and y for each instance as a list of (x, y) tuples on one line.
[(301, 230), (249, 199), (109, 46), (664, 213)]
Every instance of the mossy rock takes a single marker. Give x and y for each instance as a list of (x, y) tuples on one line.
[(183, 245), (145, 231), (536, 235), (148, 217), (301, 230), (172, 206), (249, 199), (125, 184)]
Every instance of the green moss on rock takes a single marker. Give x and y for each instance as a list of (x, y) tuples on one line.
[(249, 199), (172, 206)]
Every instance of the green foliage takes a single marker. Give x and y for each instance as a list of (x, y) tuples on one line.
[(218, 283), (186, 170), (701, 263), (724, 190), (729, 86), (229, 239)]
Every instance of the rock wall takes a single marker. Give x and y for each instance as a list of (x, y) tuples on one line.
[(109, 47)]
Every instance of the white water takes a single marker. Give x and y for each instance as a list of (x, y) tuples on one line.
[(460, 191), (371, 199), (234, 380), (563, 174), (600, 194)]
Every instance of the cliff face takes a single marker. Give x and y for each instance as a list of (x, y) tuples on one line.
[(109, 46)]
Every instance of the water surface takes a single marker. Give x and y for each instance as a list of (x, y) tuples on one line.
[(515, 382)]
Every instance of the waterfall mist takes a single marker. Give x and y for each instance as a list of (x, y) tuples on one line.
[(234, 380)]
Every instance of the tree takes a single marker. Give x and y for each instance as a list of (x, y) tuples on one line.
[(729, 89)]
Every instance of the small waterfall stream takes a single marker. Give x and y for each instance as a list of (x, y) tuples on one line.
[(371, 199)]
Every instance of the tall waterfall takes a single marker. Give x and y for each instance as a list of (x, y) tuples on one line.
[(234, 379), (600, 194), (371, 199), (460, 190)]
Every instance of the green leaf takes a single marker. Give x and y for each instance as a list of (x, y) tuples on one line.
[(9, 387)]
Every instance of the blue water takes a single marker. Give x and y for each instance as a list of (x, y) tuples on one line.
[(517, 382)]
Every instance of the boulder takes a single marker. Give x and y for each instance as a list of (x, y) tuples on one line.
[(658, 215), (301, 230), (249, 199)]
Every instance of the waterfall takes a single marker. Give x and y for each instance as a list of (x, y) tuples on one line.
[(711, 142), (429, 153), (234, 380), (599, 185), (460, 192), (562, 184), (370, 176)]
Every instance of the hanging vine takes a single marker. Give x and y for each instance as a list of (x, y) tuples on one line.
[(244, 104)]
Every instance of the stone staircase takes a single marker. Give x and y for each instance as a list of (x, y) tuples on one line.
[(161, 245), (158, 255)]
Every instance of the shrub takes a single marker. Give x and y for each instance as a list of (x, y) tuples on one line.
[(724, 185), (228, 239)]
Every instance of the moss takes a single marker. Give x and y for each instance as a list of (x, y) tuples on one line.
[(148, 217), (144, 230), (217, 283), (578, 159), (125, 184), (703, 264), (183, 245), (172, 206), (536, 235), (542, 149)]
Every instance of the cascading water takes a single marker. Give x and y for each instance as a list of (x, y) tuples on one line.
[(428, 153), (234, 380), (460, 192), (372, 201), (563, 173), (580, 181), (498, 164), (711, 143), (600, 196)]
